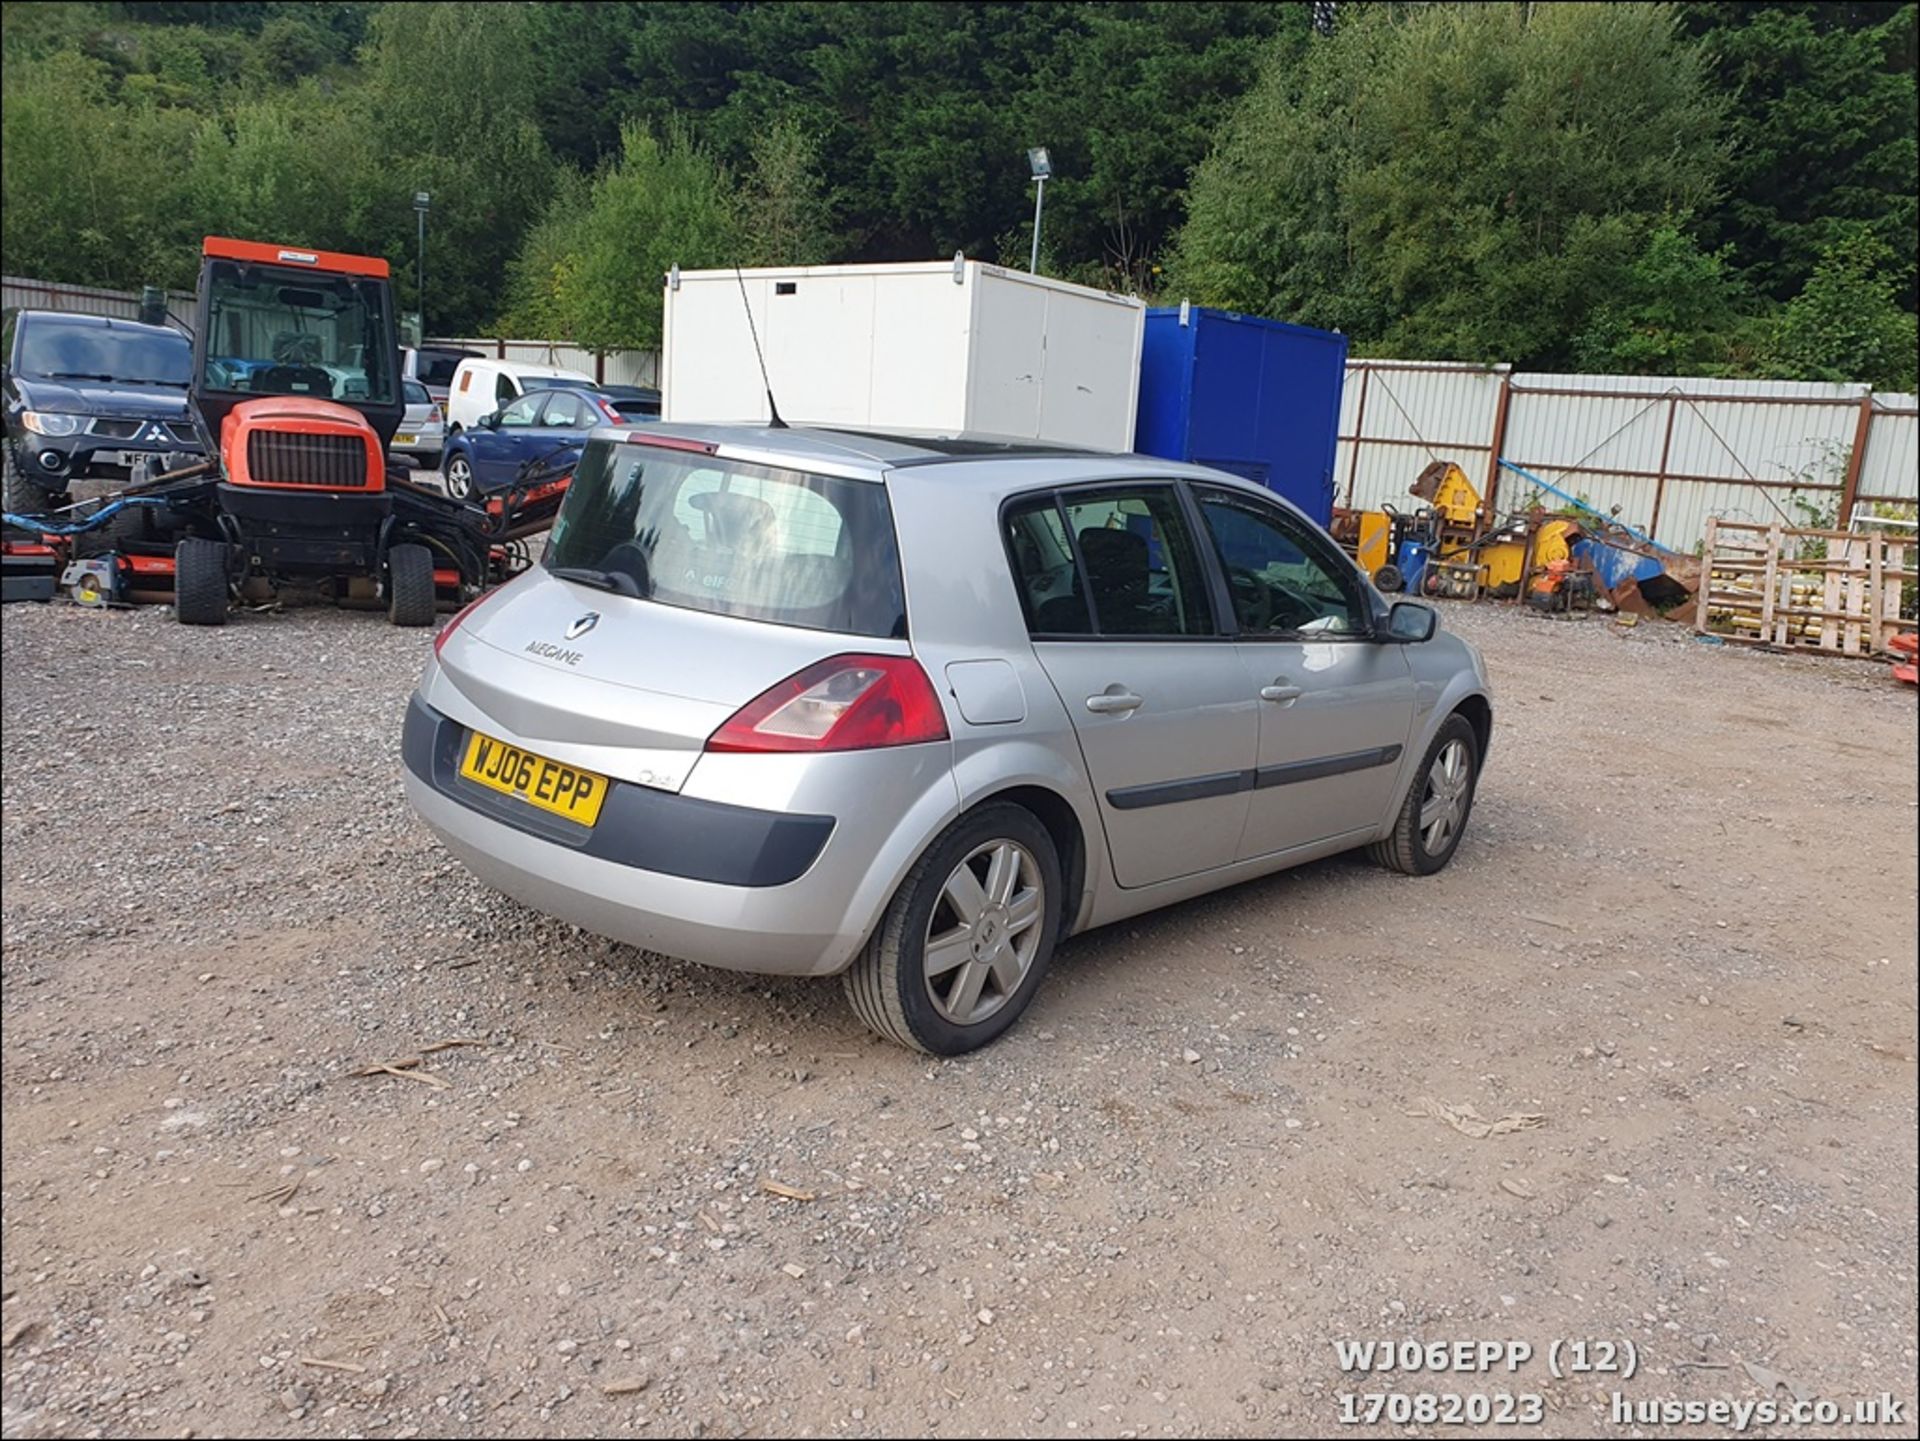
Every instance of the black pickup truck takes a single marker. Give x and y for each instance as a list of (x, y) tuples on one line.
[(90, 397)]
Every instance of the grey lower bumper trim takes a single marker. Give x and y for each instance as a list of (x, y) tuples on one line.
[(648, 829)]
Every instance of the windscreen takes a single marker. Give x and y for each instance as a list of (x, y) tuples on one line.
[(66, 350), (272, 331), (691, 530)]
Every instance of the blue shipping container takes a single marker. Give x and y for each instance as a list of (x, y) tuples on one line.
[(1258, 398)]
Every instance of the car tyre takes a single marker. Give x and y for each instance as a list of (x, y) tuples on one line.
[(200, 588), (935, 979), (458, 476), (410, 598), (23, 496), (1434, 815)]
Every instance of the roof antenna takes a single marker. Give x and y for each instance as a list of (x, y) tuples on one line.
[(773, 410)]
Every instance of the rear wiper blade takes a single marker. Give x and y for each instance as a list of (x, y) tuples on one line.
[(617, 581)]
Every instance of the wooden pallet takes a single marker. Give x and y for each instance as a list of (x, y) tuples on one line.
[(1833, 591)]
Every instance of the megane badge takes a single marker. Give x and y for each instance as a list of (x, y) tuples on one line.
[(581, 626)]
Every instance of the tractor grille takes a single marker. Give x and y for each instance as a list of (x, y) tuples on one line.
[(337, 462)]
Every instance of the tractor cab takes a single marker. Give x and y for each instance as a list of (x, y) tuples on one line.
[(305, 325)]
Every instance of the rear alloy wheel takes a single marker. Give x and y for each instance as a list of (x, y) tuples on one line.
[(459, 477), (968, 937), (410, 599), (1427, 831), (200, 590)]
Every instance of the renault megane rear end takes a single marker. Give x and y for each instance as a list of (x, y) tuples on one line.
[(809, 703)]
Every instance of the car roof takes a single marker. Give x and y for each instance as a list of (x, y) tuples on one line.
[(526, 367), (103, 322), (944, 458)]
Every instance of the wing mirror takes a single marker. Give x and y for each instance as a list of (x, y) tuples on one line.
[(491, 420), (1409, 623)]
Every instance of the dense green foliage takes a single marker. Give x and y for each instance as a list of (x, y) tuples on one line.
[(1718, 188)]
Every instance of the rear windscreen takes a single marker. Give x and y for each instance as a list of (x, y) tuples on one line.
[(436, 367), (691, 530)]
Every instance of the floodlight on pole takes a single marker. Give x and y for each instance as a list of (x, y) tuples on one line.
[(1042, 169), (421, 200)]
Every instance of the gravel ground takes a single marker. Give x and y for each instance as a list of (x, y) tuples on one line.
[(1680, 932)]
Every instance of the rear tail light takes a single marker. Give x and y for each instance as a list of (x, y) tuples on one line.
[(846, 703), (446, 631), (613, 416), (433, 415)]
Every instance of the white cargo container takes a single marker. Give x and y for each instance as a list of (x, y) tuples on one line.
[(943, 346)]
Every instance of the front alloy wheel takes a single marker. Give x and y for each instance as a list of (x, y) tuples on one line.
[(1443, 806), (1427, 830)]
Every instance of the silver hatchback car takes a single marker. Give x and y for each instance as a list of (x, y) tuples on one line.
[(916, 710)]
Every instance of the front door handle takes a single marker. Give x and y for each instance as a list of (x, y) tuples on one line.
[(1113, 702), (1281, 693)]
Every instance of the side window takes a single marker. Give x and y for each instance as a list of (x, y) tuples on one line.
[(521, 411), (1281, 582), (503, 390), (1044, 571), (562, 412), (1112, 563)]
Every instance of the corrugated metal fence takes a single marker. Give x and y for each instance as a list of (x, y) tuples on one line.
[(1669, 453), (609, 367), (16, 293)]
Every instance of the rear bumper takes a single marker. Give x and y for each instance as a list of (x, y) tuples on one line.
[(727, 885)]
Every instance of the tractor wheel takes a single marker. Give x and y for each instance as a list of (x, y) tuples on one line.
[(200, 582), (1389, 580), (410, 599)]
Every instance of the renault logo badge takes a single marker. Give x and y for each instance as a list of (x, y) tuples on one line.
[(581, 626)]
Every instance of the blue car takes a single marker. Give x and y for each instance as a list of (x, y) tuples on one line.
[(546, 426)]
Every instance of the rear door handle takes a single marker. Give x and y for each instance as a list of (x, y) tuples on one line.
[(1113, 703), (1281, 693)]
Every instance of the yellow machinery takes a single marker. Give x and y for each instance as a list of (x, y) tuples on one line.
[(1375, 540), (1521, 547), (1467, 557), (1456, 507)]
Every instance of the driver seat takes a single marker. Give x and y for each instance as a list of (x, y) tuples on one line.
[(1120, 576)]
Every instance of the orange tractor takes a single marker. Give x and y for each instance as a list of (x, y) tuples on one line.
[(296, 391)]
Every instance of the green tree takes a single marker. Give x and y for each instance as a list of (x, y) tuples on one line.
[(1456, 181), (1678, 310), (449, 99), (594, 274), (784, 214), (1847, 324), (1823, 130)]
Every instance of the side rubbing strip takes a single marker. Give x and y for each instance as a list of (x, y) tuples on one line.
[(1202, 788), (1325, 766), (1166, 793)]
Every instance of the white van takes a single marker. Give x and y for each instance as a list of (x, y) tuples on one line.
[(482, 386)]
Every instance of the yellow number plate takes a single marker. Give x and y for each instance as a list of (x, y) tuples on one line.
[(564, 790), (403, 440)]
